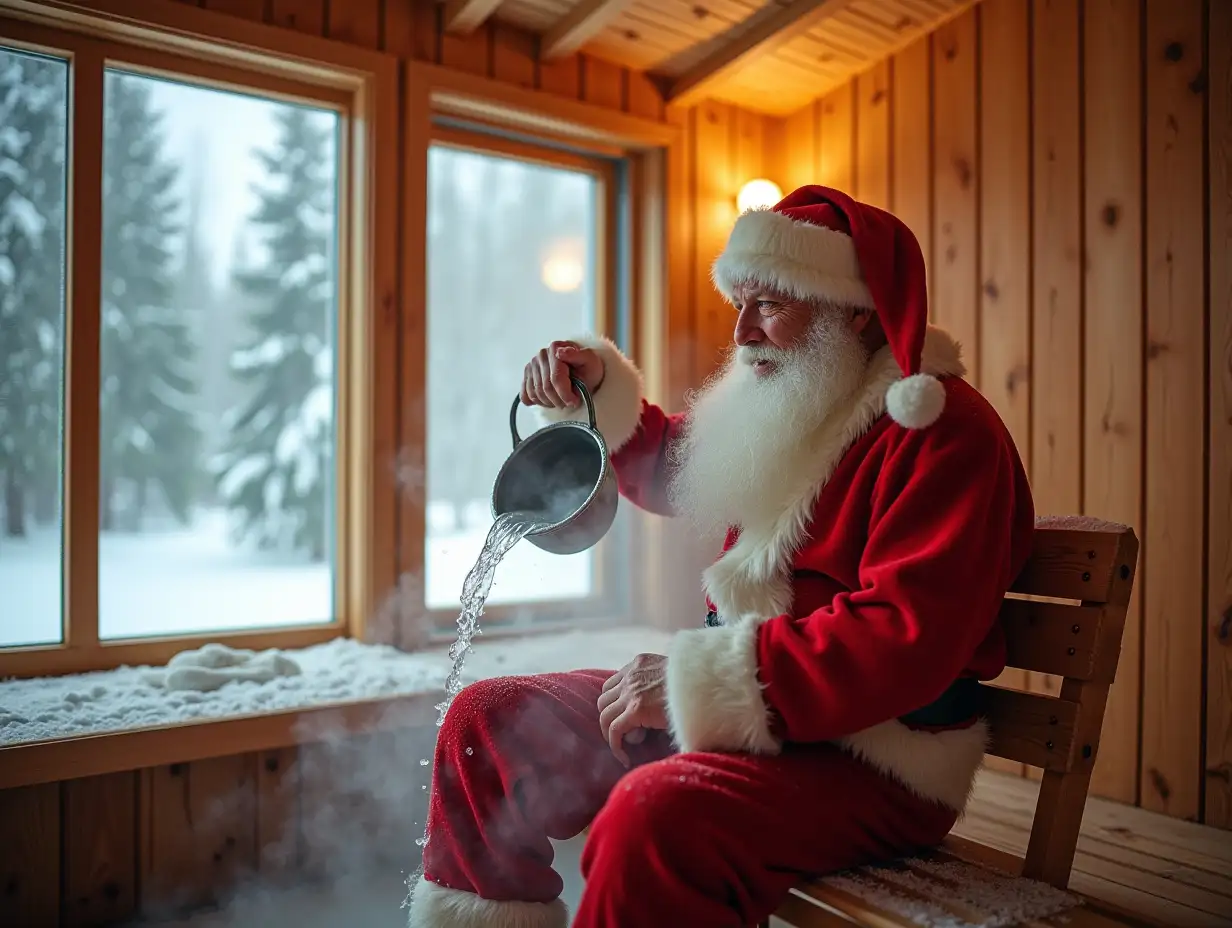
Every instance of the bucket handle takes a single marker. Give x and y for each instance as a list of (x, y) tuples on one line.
[(577, 385)]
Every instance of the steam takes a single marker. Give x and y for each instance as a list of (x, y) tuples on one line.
[(337, 821)]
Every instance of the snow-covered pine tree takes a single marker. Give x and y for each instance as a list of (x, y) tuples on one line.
[(276, 472), (148, 434), (33, 105)]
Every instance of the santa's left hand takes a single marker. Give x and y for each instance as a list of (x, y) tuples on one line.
[(633, 698)]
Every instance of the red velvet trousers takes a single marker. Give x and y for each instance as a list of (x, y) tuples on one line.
[(680, 839)]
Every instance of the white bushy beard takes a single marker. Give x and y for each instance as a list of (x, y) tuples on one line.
[(749, 440)]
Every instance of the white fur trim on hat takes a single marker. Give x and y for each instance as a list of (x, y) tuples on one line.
[(916, 402), (436, 906), (618, 401), (806, 261)]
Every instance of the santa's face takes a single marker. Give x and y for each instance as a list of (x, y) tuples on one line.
[(750, 437), (765, 318)]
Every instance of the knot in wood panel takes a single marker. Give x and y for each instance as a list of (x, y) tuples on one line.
[(1224, 631)]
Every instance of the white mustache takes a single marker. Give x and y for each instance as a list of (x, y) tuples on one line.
[(750, 354)]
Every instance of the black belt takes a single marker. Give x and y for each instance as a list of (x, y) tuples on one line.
[(959, 702)]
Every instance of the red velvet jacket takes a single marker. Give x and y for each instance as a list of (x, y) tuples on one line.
[(866, 599)]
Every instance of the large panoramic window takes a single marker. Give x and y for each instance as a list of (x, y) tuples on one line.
[(519, 254), (186, 353)]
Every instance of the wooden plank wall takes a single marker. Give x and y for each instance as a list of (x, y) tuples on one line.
[(1066, 165), (169, 840)]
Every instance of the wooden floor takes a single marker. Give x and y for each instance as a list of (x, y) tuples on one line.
[(1172, 872)]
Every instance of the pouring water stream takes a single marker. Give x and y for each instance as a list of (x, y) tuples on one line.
[(557, 487)]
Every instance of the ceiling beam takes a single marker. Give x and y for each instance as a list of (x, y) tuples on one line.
[(463, 17), (579, 26), (766, 34)]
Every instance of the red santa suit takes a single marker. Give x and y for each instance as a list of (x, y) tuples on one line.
[(823, 716)]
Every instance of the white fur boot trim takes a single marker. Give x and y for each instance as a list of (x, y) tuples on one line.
[(435, 906)]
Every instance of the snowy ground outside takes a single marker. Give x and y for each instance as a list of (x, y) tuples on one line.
[(174, 580), (339, 670)]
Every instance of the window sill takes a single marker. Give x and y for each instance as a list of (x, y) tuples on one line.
[(402, 691)]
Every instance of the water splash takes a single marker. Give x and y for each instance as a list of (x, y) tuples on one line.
[(506, 531)]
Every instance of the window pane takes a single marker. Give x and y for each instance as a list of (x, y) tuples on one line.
[(33, 214), (219, 307), (511, 266)]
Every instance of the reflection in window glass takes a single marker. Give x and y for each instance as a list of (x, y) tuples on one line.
[(216, 480), (33, 136), (511, 267)]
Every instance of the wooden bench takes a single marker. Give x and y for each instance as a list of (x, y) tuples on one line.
[(1064, 616)]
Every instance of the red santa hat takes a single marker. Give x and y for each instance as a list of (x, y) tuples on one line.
[(818, 243)]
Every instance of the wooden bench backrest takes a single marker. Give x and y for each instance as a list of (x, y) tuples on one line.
[(1064, 616)]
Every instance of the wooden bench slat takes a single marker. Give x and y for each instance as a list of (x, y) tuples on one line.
[(1032, 729), (1079, 642), (941, 884), (1071, 564), (800, 912), (864, 913), (1090, 915), (1091, 564)]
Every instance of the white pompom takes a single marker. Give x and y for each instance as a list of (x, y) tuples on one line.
[(916, 402)]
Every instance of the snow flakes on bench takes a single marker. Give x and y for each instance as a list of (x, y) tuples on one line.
[(952, 894)]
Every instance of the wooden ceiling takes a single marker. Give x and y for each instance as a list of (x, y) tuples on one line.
[(771, 56)]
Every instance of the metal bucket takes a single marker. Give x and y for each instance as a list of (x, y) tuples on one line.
[(563, 474)]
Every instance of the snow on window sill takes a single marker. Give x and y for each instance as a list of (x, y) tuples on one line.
[(87, 724)]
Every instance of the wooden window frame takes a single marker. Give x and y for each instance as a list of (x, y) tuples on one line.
[(611, 554), (661, 253), (203, 48), (511, 119)]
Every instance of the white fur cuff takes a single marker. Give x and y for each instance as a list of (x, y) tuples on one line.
[(618, 401), (435, 906), (714, 700)]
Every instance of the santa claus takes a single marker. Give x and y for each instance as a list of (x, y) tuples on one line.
[(823, 715)]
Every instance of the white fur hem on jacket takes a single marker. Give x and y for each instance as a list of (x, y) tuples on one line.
[(714, 703), (618, 401), (435, 906)]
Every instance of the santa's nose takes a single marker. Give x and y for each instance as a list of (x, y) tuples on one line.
[(748, 330)]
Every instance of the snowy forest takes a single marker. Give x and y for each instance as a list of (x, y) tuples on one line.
[(217, 392)]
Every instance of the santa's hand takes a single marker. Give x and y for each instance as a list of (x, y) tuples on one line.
[(635, 697), (546, 380)]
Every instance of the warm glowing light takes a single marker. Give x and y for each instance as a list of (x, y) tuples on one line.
[(563, 269), (758, 194)]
